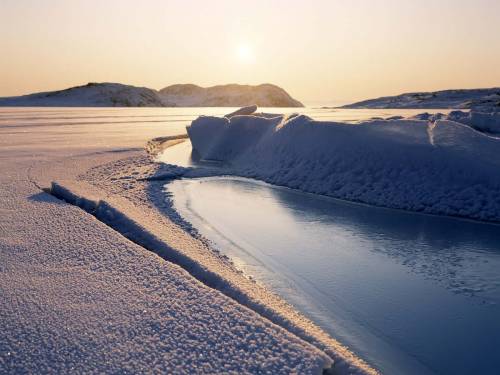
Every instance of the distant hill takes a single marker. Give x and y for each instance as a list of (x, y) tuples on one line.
[(486, 99), (90, 95), (119, 95), (232, 95)]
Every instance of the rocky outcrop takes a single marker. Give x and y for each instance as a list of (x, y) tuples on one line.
[(232, 95)]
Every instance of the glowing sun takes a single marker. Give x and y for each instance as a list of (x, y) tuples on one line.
[(245, 54)]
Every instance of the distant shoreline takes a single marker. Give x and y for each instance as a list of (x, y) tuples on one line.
[(181, 95)]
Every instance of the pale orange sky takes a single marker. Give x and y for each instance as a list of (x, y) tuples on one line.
[(316, 50)]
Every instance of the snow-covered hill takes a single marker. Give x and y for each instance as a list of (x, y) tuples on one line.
[(90, 95), (232, 95), (460, 99), (119, 95)]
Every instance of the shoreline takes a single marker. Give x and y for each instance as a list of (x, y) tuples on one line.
[(158, 147), (120, 209), (120, 186), (78, 296), (148, 193)]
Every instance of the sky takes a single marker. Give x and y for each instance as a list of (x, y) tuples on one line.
[(317, 50)]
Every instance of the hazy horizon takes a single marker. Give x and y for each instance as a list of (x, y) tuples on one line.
[(319, 51), (306, 101)]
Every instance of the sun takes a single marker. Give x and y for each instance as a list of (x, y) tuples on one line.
[(245, 54)]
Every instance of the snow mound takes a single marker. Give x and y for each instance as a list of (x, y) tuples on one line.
[(482, 121), (438, 167), (486, 122)]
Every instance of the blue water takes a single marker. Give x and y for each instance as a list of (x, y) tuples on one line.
[(409, 293)]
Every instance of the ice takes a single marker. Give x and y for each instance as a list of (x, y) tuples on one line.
[(488, 122), (77, 296), (434, 166), (134, 180), (243, 111)]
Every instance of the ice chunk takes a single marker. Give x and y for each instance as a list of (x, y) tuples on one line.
[(242, 111), (487, 122), (435, 166), (205, 132)]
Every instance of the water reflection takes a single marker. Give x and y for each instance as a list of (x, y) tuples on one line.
[(463, 255), (410, 293)]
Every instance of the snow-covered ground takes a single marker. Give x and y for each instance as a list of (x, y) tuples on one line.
[(77, 296), (135, 186), (429, 163), (85, 290)]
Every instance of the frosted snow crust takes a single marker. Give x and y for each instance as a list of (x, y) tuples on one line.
[(431, 165)]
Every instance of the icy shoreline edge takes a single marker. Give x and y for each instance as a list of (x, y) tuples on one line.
[(201, 261), (433, 166)]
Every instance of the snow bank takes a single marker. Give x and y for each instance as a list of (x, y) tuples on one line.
[(203, 329), (131, 187), (440, 167), (487, 122), (482, 121)]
